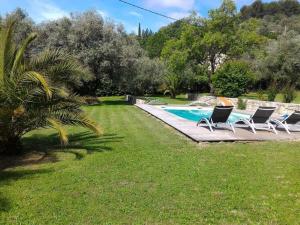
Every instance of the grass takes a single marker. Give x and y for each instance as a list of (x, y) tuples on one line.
[(279, 97), (180, 99), (142, 172)]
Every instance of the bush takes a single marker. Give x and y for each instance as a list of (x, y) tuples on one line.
[(261, 95), (242, 104), (233, 79), (289, 94), (272, 92)]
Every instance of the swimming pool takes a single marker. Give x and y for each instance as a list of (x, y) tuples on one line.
[(197, 114)]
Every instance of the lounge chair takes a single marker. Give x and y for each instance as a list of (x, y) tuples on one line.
[(292, 119), (225, 101), (219, 116), (259, 119)]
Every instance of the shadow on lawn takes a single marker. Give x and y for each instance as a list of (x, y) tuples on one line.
[(40, 148), (7, 177), (115, 102)]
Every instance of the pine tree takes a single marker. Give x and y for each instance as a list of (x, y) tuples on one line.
[(139, 31)]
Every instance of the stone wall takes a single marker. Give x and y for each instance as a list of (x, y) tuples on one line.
[(252, 105)]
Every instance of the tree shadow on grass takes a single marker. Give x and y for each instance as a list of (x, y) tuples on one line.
[(40, 148), (6, 177), (116, 102)]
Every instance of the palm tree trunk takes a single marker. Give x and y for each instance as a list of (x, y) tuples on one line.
[(11, 145), (172, 95)]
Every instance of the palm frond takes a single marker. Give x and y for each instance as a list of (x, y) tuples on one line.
[(58, 126), (6, 50), (40, 79), (20, 52)]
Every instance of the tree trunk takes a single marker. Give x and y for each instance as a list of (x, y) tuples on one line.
[(11, 145), (212, 72), (172, 95)]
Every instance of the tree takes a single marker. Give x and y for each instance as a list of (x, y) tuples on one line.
[(219, 36), (176, 64), (139, 31), (281, 66), (225, 38), (233, 79), (258, 9), (155, 43), (30, 95), (104, 47)]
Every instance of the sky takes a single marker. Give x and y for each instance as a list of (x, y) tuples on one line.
[(130, 17)]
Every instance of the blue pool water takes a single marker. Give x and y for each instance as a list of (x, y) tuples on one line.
[(197, 114)]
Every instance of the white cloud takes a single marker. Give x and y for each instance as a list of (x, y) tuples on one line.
[(46, 10), (178, 15), (133, 13), (129, 27), (182, 4), (102, 13)]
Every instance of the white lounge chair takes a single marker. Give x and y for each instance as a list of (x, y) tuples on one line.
[(292, 119), (260, 120), (220, 115)]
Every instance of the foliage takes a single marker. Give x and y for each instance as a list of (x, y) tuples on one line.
[(258, 9), (222, 38), (176, 62), (272, 92), (121, 63), (112, 56), (261, 95), (33, 93), (275, 25), (281, 66), (241, 104), (289, 94), (173, 82), (155, 43), (233, 79), (149, 76)]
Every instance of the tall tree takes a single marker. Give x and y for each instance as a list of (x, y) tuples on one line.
[(281, 66), (139, 31), (224, 37)]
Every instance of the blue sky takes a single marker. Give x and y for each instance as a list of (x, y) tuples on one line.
[(41, 10)]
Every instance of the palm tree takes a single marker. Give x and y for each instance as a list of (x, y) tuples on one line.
[(33, 93)]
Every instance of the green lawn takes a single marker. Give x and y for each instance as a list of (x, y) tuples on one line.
[(279, 97), (180, 99), (142, 172)]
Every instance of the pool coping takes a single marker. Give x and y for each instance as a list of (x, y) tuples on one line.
[(202, 134)]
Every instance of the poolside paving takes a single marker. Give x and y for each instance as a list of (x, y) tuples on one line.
[(202, 134)]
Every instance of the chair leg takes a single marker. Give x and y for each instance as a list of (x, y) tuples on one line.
[(207, 122), (232, 127), (283, 124), (272, 127), (252, 126), (247, 122)]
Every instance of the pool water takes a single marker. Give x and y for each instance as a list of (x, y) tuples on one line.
[(198, 114)]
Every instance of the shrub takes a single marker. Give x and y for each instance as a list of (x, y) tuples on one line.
[(233, 79), (261, 95), (289, 94), (242, 104), (272, 92)]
